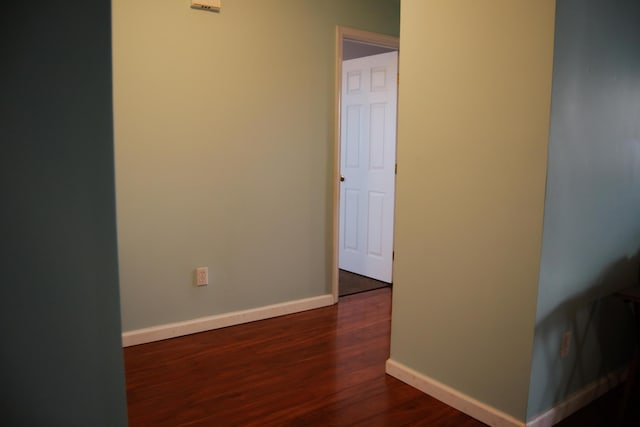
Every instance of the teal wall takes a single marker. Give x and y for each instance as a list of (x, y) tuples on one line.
[(592, 209), (224, 151), (61, 357)]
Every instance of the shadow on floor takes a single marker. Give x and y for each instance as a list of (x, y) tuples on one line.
[(351, 283), (605, 411)]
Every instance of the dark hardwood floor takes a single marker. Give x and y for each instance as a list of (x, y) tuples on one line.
[(351, 283), (323, 367)]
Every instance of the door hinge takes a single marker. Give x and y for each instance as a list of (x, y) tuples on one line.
[(396, 170), (393, 255)]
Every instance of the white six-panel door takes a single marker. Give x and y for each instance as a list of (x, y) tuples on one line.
[(367, 162)]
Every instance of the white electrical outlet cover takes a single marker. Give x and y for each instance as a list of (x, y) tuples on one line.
[(202, 276)]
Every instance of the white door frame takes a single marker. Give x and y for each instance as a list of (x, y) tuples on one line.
[(342, 34)]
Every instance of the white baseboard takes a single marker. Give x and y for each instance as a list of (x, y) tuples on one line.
[(578, 400), (172, 330), (452, 397)]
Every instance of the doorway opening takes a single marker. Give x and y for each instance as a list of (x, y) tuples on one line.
[(364, 160)]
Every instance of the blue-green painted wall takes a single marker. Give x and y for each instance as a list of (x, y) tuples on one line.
[(592, 210), (61, 357)]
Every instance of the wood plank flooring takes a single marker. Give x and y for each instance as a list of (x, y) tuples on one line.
[(323, 367)]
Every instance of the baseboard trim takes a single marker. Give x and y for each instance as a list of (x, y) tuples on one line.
[(172, 330), (581, 398), (452, 397)]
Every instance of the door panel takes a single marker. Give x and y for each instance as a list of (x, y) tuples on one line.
[(368, 155), (352, 123), (375, 224), (376, 136), (351, 220)]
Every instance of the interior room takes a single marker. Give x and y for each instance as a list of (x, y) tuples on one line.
[(147, 139)]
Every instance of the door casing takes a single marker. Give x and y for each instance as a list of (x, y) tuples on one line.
[(342, 34)]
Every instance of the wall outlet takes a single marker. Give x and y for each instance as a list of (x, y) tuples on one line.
[(202, 276), (566, 344)]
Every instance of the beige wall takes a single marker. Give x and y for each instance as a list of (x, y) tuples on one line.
[(473, 131), (224, 151)]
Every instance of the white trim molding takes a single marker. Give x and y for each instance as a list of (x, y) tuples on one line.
[(581, 398), (452, 397), (202, 324)]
